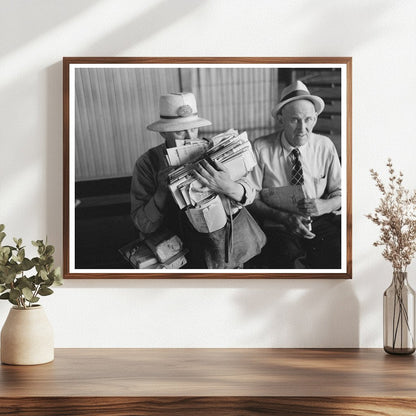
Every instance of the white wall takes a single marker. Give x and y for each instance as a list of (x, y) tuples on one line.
[(380, 35)]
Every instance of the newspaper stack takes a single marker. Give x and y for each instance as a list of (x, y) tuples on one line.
[(186, 151), (160, 250), (231, 149)]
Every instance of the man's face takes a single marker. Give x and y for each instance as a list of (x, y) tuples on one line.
[(298, 118), (171, 136)]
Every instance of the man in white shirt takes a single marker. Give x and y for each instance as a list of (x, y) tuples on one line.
[(310, 237)]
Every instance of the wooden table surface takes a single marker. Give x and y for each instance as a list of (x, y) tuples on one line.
[(212, 382)]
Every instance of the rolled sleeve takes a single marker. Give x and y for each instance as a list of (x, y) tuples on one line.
[(249, 191)]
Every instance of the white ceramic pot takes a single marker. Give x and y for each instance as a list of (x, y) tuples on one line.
[(27, 337)]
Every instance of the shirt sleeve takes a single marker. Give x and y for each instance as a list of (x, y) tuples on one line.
[(255, 177), (249, 193), (146, 215), (333, 187)]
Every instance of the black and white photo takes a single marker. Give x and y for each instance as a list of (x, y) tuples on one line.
[(210, 168)]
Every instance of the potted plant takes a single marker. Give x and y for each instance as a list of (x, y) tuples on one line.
[(27, 336)]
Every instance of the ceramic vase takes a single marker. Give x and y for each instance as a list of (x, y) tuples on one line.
[(27, 337)]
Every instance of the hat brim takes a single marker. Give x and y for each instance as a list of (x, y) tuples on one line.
[(166, 126), (318, 102)]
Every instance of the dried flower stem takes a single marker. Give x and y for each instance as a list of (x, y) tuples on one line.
[(396, 216)]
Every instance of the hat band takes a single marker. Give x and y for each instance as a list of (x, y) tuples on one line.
[(296, 93), (177, 117)]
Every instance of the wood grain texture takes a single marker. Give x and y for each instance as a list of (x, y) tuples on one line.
[(212, 381), (207, 406)]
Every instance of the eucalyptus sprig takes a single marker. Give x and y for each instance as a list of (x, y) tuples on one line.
[(396, 217), (16, 285)]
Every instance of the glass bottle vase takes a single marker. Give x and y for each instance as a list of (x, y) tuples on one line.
[(399, 316)]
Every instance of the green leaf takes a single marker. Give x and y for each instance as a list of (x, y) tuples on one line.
[(5, 250), (26, 264), (21, 255), (2, 288), (37, 243), (18, 242), (45, 291), (24, 282), (5, 295), (58, 280), (14, 302), (49, 250), (43, 275), (15, 294), (2, 236), (1, 227), (4, 255), (27, 293), (8, 277)]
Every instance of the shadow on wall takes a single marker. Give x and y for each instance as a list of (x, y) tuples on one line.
[(352, 25), (301, 314), (37, 18), (157, 18)]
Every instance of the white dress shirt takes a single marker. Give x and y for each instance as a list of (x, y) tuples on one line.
[(320, 164)]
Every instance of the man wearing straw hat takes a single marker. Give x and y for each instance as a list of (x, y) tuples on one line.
[(309, 236), (152, 206)]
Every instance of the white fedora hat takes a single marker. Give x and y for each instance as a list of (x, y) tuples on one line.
[(298, 91), (178, 111)]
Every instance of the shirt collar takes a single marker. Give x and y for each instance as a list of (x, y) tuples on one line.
[(287, 147)]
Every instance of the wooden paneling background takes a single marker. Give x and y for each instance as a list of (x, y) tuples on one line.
[(113, 106), (240, 98)]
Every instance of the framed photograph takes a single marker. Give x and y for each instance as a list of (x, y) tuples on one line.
[(207, 167)]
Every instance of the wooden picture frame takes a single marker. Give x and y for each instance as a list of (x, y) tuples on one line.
[(96, 172)]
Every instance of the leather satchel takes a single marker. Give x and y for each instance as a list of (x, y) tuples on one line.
[(238, 241)]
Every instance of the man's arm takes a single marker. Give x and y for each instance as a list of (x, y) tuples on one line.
[(219, 180), (331, 200), (148, 199), (294, 223), (319, 206)]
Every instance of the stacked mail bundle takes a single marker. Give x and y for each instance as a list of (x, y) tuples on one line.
[(231, 149), (186, 151), (203, 206), (160, 250)]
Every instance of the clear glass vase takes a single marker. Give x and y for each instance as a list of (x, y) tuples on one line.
[(399, 316)]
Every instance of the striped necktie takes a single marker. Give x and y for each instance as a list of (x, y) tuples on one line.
[(297, 172)]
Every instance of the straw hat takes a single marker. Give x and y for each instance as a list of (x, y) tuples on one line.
[(298, 91), (178, 112)]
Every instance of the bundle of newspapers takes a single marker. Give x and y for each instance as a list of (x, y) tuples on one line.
[(203, 206), (159, 250)]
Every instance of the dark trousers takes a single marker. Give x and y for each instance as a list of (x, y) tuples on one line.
[(287, 251)]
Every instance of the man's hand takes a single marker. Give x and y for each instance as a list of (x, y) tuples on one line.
[(218, 180), (315, 207), (298, 225)]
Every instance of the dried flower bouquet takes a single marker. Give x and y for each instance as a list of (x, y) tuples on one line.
[(396, 217)]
